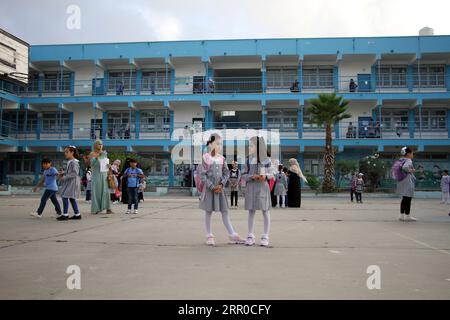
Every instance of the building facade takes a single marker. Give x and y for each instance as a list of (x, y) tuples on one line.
[(133, 95)]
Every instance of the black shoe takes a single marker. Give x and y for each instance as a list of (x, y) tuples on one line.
[(62, 218), (78, 217)]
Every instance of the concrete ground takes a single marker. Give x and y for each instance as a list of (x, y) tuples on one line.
[(321, 251)]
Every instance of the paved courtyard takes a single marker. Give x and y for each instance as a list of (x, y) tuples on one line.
[(321, 251)]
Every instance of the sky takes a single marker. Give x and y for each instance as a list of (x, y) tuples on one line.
[(90, 21)]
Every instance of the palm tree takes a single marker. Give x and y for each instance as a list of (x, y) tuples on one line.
[(327, 110)]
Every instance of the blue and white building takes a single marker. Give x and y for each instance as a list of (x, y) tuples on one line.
[(133, 95)]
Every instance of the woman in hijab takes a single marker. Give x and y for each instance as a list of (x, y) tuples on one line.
[(294, 190), (123, 181), (99, 163)]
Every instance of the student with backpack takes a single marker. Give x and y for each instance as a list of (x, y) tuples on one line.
[(133, 175), (281, 187), (211, 178), (403, 171)]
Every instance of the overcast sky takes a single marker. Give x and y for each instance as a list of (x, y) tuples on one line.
[(45, 21)]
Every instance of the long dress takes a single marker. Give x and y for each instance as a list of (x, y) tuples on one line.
[(294, 191), (124, 182), (407, 186), (70, 183), (213, 170), (257, 193), (100, 189)]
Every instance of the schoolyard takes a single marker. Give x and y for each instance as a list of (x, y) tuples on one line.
[(321, 251)]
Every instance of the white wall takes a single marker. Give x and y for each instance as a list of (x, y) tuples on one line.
[(185, 113), (351, 69), (184, 74)]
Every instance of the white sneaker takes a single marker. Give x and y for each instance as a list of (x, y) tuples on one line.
[(401, 217), (210, 240), (283, 206), (250, 241), (264, 241), (35, 214), (128, 212), (135, 211), (278, 206), (409, 218)]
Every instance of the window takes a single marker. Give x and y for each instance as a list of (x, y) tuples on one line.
[(283, 119), (124, 79), (54, 82), (55, 122), (155, 120), (318, 77), (155, 81), (391, 76), (394, 119), (282, 77), (306, 122), (432, 120), (21, 164), (429, 76)]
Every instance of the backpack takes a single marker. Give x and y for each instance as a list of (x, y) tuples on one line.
[(197, 177), (397, 170)]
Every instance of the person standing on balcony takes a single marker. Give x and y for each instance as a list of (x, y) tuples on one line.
[(398, 129), (406, 186), (214, 174), (99, 162), (352, 86), (258, 171), (294, 187), (119, 88), (350, 131)]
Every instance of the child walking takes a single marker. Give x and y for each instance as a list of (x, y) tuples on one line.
[(359, 188), (133, 175), (70, 184), (353, 180), (257, 194), (214, 174), (281, 187), (48, 180), (235, 177), (445, 186)]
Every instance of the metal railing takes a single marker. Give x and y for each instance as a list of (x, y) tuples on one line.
[(235, 85)]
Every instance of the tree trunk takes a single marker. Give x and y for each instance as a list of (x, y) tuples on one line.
[(328, 162)]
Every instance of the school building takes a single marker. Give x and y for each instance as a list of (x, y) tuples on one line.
[(133, 95)]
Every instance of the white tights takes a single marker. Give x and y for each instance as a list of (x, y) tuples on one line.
[(251, 222), (225, 219)]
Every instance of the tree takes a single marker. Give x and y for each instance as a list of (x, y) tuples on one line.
[(374, 169), (344, 167), (327, 110)]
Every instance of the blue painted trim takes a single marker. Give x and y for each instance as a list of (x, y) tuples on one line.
[(104, 124), (241, 47), (40, 84), (138, 81), (373, 77), (72, 83), (300, 121), (447, 77), (264, 116), (172, 81), (205, 98), (448, 122), (264, 79), (171, 171), (70, 125), (411, 123), (206, 113), (300, 76), (410, 78), (172, 121), (336, 78), (137, 116), (336, 130)]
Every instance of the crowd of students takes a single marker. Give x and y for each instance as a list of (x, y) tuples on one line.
[(267, 184)]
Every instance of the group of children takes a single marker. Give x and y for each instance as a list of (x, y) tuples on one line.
[(68, 184), (70, 187), (214, 175)]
